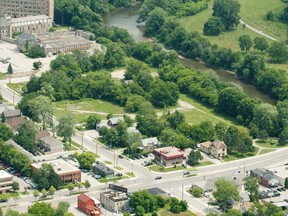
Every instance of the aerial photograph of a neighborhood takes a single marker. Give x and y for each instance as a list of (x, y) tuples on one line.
[(144, 107)]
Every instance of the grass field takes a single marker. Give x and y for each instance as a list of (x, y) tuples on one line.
[(269, 143), (253, 13), (79, 117), (196, 116), (237, 156), (17, 87), (204, 163), (158, 168), (3, 76), (265, 151), (165, 212), (93, 105)]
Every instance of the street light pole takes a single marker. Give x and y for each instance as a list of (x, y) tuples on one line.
[(82, 140)]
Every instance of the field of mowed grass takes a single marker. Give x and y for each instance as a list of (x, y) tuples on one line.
[(88, 104), (253, 13), (225, 39)]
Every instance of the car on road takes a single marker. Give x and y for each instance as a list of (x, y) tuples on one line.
[(97, 176), (158, 177), (186, 173), (120, 156)]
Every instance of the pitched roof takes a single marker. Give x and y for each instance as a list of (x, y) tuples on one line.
[(152, 140), (51, 141), (102, 167), (206, 144), (15, 121), (218, 144), (41, 134), (5, 107), (26, 36), (116, 120), (11, 113), (84, 198)]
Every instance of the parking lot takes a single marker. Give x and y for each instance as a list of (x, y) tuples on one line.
[(20, 63)]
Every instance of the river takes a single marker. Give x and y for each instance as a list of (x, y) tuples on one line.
[(126, 18)]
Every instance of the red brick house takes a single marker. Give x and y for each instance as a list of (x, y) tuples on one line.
[(87, 205)]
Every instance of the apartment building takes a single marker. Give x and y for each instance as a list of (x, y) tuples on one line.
[(22, 8), (6, 181)]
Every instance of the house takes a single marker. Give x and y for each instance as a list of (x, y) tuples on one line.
[(114, 201), (9, 114), (87, 205), (267, 178), (216, 149), (66, 171), (50, 144), (5, 107), (114, 121), (103, 170), (19, 148), (103, 123), (149, 144), (6, 181), (281, 172), (15, 122), (41, 134), (168, 156)]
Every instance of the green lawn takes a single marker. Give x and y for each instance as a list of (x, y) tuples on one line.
[(165, 212), (264, 151), (269, 143), (197, 115), (17, 87), (79, 117), (130, 174), (108, 162), (236, 156), (118, 168), (114, 179), (204, 163), (253, 13), (225, 39), (159, 168), (3, 76), (93, 105)]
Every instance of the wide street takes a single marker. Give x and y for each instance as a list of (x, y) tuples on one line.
[(174, 182)]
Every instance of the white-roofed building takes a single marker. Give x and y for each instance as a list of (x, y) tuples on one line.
[(6, 181)]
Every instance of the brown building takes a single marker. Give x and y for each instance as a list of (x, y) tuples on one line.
[(66, 171), (87, 205), (216, 149), (168, 156), (6, 181), (22, 8)]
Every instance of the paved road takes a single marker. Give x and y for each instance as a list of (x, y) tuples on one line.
[(174, 182)]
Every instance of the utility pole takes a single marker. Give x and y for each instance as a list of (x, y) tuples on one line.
[(82, 140), (13, 97), (182, 190), (96, 148)]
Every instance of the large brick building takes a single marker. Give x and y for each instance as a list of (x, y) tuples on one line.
[(66, 171), (87, 205), (22, 8), (169, 156)]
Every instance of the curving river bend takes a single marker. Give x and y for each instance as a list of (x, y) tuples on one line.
[(126, 18)]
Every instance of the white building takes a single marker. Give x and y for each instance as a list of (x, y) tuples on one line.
[(114, 201), (6, 181)]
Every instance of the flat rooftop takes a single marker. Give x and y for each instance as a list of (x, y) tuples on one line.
[(169, 151), (68, 42), (4, 174), (60, 166), (28, 18)]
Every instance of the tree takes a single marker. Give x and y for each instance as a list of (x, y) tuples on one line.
[(26, 135), (35, 51), (283, 137), (232, 212), (140, 211), (52, 190), (196, 191), (41, 209), (70, 187), (41, 108), (10, 69), (79, 185), (260, 44), (86, 159), (65, 128), (44, 192), (278, 52), (87, 184), (155, 21), (227, 11), (213, 26), (225, 192), (37, 65), (251, 184), (245, 42), (15, 186), (62, 209), (92, 121), (6, 133), (194, 157), (36, 194)]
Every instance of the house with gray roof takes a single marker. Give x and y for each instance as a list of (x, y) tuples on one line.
[(103, 170), (149, 144), (114, 121), (267, 178), (50, 144), (8, 114)]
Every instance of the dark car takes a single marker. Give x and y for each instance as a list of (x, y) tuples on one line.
[(120, 156), (158, 177)]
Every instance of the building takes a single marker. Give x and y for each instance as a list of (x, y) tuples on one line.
[(87, 205), (9, 114), (19, 148), (66, 171), (23, 8), (30, 25), (114, 201), (267, 178), (5, 107), (149, 144), (217, 148), (6, 181), (50, 144), (103, 170), (169, 156), (41, 134), (15, 122), (57, 42), (281, 172), (114, 121)]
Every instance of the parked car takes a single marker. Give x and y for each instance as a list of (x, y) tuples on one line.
[(186, 173), (158, 177), (207, 195), (120, 156), (97, 177)]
